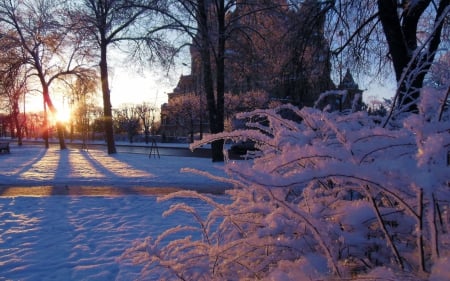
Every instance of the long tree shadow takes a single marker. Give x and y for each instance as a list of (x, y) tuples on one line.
[(61, 171), (97, 165), (119, 167), (17, 171), (27, 166), (76, 169), (78, 172)]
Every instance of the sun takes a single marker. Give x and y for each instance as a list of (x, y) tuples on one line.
[(63, 116)]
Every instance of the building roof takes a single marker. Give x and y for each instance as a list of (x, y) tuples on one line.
[(348, 82), (186, 84)]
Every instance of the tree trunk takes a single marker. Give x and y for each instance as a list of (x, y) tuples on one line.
[(107, 110), (214, 122), (217, 146), (401, 36), (216, 125), (59, 125), (15, 117), (18, 129), (45, 129)]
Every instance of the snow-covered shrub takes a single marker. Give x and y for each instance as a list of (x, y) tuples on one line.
[(332, 196)]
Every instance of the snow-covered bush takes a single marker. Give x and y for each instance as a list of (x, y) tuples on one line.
[(333, 196)]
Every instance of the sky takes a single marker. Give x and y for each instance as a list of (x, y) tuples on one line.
[(126, 87), (128, 84), (135, 84)]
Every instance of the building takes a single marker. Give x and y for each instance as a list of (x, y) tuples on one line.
[(297, 69), (346, 97), (184, 115)]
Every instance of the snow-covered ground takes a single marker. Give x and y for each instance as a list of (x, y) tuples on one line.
[(71, 168), (45, 235)]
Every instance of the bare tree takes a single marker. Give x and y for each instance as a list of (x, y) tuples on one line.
[(210, 25), (244, 102), (13, 80), (146, 114), (82, 94), (111, 22), (185, 114), (127, 120), (50, 49), (408, 34)]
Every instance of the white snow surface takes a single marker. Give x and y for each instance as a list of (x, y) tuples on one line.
[(81, 237)]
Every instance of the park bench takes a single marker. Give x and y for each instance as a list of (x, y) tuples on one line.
[(4, 147)]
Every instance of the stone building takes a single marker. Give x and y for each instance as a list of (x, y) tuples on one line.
[(291, 63)]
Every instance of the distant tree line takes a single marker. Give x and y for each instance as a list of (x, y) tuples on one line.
[(86, 123)]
